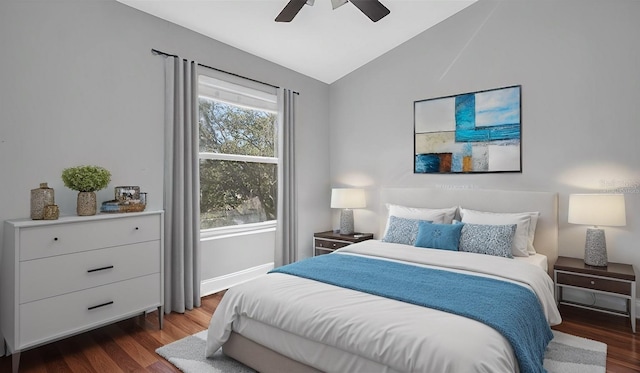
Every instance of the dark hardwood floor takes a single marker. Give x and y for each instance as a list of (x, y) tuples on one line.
[(129, 346), (623, 346), (126, 346)]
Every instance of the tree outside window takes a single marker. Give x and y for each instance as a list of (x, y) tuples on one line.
[(238, 164)]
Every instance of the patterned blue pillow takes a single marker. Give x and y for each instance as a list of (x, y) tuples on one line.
[(487, 239), (438, 236), (401, 230)]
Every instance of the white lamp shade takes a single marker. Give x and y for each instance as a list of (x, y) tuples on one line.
[(347, 198), (597, 209)]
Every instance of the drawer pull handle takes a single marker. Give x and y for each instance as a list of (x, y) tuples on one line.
[(99, 305), (99, 269), (137, 228), (593, 282), (55, 238)]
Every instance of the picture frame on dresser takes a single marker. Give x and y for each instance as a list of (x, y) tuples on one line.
[(127, 193), (82, 272)]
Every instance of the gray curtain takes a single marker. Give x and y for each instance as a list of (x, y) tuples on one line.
[(181, 189), (287, 225)]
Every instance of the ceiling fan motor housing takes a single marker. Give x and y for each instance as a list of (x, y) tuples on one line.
[(371, 8)]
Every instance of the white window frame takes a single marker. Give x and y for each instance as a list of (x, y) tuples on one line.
[(240, 229)]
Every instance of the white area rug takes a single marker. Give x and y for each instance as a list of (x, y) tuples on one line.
[(565, 354), (570, 354)]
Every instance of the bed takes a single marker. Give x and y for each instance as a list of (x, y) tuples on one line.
[(295, 322)]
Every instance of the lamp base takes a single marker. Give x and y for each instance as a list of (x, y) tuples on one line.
[(346, 221), (595, 248)]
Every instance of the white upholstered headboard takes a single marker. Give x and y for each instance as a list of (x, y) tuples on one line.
[(546, 237)]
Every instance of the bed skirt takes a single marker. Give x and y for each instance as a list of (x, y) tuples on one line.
[(261, 358)]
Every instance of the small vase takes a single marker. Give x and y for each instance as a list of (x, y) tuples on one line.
[(40, 198), (51, 212), (86, 204)]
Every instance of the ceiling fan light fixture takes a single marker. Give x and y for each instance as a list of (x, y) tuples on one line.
[(338, 3)]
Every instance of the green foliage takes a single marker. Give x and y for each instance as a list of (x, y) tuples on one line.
[(233, 191), (86, 178), (235, 130)]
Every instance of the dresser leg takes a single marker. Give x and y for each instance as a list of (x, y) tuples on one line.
[(161, 316), (15, 361)]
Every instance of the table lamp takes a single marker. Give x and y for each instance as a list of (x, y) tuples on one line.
[(596, 210), (347, 199)]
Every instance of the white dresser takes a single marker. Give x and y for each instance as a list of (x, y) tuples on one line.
[(62, 277)]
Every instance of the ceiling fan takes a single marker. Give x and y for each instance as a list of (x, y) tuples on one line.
[(371, 8)]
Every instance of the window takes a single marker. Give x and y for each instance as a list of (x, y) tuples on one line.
[(238, 154)]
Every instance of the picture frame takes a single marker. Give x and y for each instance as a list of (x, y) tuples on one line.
[(127, 194), (475, 132)]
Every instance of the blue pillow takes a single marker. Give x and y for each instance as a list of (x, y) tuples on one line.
[(439, 236), (487, 239), (401, 230)]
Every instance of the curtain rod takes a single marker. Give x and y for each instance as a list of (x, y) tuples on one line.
[(155, 51)]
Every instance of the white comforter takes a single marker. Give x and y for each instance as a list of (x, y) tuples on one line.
[(361, 332)]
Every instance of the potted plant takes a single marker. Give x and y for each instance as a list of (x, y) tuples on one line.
[(86, 180)]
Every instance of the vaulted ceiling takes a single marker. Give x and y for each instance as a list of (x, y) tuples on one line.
[(320, 42)]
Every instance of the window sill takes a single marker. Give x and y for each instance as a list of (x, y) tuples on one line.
[(237, 230)]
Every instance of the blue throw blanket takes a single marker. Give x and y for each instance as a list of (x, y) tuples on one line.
[(511, 309)]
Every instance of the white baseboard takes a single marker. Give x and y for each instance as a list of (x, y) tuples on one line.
[(217, 284)]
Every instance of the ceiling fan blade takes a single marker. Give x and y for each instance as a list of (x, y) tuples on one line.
[(290, 10), (372, 9)]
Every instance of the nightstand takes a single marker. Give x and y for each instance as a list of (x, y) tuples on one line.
[(327, 242), (617, 280)]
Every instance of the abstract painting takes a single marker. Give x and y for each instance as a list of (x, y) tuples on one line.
[(475, 132)]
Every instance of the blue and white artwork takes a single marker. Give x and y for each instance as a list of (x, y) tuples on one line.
[(469, 133)]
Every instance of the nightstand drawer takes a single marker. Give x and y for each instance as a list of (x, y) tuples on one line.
[(595, 283), (328, 244)]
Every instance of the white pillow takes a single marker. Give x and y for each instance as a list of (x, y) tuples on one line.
[(449, 214), (532, 231), (423, 213), (438, 216), (525, 230)]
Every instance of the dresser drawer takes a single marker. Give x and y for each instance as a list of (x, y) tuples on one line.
[(48, 277), (57, 239), (67, 314), (612, 286), (329, 244)]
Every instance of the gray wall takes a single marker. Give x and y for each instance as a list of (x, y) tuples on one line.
[(577, 62), (79, 85)]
